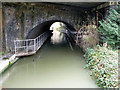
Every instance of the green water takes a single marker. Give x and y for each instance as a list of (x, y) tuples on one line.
[(54, 66)]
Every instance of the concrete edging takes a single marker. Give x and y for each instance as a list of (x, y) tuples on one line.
[(8, 62)]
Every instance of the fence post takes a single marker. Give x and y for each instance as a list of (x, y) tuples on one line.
[(37, 42), (15, 46), (27, 46), (34, 45)]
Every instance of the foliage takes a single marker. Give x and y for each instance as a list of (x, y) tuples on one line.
[(87, 34), (103, 63), (110, 28), (62, 28), (87, 37), (2, 53)]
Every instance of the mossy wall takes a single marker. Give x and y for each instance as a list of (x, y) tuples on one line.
[(21, 18)]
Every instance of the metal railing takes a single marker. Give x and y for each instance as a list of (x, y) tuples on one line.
[(29, 46)]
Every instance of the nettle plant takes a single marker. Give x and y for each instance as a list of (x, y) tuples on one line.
[(103, 63)]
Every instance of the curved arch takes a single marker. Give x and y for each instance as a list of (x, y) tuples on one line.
[(45, 26)]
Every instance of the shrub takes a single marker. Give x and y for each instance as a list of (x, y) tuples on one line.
[(87, 37), (109, 28), (103, 63)]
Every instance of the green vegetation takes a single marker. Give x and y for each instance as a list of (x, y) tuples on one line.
[(2, 53), (103, 63), (103, 60), (110, 28)]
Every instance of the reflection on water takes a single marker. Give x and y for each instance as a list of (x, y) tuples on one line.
[(57, 37), (54, 66)]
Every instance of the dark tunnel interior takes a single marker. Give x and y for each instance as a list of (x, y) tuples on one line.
[(45, 26)]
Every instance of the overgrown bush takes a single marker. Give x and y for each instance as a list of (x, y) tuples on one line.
[(103, 63), (110, 28), (87, 35)]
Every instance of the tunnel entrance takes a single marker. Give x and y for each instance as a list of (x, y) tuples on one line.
[(58, 33), (61, 32), (46, 26)]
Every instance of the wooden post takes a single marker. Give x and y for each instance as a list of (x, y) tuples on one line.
[(2, 30)]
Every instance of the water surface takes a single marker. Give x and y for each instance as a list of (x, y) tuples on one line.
[(54, 66)]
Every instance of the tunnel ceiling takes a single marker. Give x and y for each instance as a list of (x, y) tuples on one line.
[(58, 1), (81, 4), (78, 3)]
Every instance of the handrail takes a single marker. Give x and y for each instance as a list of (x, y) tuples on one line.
[(24, 47), (23, 40)]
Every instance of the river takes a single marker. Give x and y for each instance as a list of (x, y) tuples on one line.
[(54, 66)]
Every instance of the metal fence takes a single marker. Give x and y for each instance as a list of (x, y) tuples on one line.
[(29, 46)]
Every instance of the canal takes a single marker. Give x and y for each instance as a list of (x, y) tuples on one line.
[(54, 66)]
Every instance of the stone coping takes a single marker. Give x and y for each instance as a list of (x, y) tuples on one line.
[(4, 64)]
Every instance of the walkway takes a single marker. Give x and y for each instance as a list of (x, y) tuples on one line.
[(29, 46)]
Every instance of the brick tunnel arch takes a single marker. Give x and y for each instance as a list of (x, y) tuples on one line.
[(20, 18), (45, 26)]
